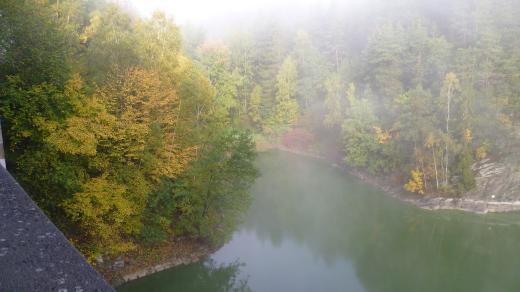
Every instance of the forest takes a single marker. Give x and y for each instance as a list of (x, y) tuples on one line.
[(416, 90), (113, 131), (127, 130)]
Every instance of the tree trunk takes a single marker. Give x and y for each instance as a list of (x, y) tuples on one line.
[(57, 9), (447, 135), (337, 60), (207, 203), (435, 167), (424, 176), (175, 129)]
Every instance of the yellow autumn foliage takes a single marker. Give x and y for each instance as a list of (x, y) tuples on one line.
[(505, 120), (102, 212), (146, 112), (76, 138), (415, 184), (127, 131), (79, 134), (481, 152), (468, 135), (381, 135)]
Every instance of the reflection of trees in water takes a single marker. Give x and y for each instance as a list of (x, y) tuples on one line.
[(220, 277), (203, 276), (393, 246)]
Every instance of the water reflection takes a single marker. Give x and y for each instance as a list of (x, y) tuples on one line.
[(393, 246), (311, 228), (204, 276)]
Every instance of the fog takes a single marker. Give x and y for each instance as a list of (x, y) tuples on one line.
[(218, 17), (314, 123), (200, 11), (427, 84), (385, 50)]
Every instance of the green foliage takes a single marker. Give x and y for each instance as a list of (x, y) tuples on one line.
[(215, 60), (466, 180), (50, 178), (365, 143), (269, 54), (26, 111), (311, 70), (159, 212), (383, 53), (286, 109), (102, 116), (213, 194), (255, 104), (151, 46), (334, 101), (122, 139), (32, 43), (110, 37)]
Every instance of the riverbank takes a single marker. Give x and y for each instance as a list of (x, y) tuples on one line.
[(182, 251), (427, 202), (145, 262)]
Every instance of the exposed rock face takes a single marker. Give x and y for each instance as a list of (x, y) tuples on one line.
[(497, 188), (465, 204), (119, 263), (496, 181)]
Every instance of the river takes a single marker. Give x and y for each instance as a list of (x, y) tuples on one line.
[(311, 227)]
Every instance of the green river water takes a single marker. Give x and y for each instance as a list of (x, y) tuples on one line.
[(311, 227)]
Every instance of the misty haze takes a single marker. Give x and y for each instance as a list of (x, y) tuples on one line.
[(358, 145)]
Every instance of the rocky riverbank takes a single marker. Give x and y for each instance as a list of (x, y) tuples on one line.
[(497, 187), (147, 261)]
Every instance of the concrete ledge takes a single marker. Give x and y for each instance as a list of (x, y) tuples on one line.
[(34, 254)]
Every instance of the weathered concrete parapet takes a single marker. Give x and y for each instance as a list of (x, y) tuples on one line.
[(2, 154), (34, 254)]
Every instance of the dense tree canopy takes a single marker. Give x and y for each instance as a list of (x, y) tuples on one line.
[(127, 133), (436, 90), (114, 132)]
